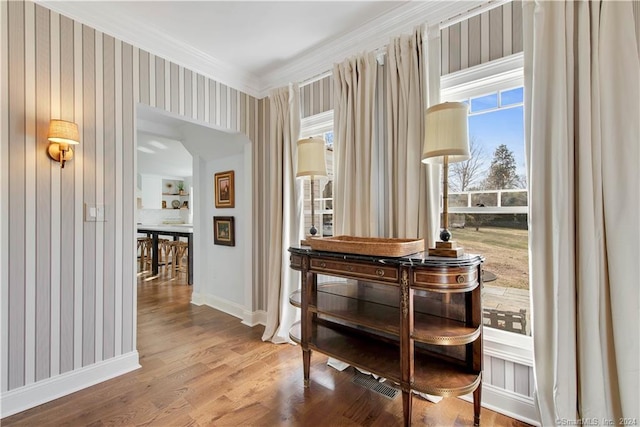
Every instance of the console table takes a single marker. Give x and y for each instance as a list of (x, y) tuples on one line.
[(414, 320)]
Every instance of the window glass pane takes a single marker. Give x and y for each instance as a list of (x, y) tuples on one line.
[(513, 96), (503, 240), (499, 134), (323, 196), (484, 102), (328, 138), (488, 209)]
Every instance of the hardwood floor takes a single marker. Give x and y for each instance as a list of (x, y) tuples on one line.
[(203, 367)]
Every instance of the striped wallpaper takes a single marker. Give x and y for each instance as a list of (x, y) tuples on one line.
[(482, 38), (68, 286), (636, 14), (508, 375), (317, 97)]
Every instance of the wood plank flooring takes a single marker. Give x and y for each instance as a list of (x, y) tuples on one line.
[(203, 367)]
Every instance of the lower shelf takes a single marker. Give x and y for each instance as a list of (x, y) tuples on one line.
[(378, 357), (431, 375)]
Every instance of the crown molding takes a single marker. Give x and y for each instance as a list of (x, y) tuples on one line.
[(371, 36), (150, 39)]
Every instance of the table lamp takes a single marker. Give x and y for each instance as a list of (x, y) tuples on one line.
[(311, 162), (446, 141)]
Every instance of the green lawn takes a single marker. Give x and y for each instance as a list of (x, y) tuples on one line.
[(505, 250)]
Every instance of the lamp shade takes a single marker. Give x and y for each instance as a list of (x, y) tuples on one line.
[(311, 157), (63, 132), (446, 133)]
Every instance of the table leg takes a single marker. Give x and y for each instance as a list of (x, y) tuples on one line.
[(477, 394), (154, 256), (406, 407), (190, 258), (306, 364)]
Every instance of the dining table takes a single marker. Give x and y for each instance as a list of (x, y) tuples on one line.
[(171, 230)]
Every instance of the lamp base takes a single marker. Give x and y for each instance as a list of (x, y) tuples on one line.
[(447, 249)]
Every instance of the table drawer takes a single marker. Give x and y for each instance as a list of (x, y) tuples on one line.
[(295, 261), (354, 270), (446, 279)]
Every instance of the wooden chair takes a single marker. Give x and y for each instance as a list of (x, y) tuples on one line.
[(178, 251), (144, 248), (163, 253)]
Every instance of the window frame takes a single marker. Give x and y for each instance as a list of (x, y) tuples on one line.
[(501, 74)]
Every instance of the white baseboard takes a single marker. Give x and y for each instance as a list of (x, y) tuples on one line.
[(508, 403), (254, 318), (29, 396), (218, 303), (249, 318)]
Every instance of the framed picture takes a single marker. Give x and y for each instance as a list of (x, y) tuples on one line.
[(224, 232), (225, 192)]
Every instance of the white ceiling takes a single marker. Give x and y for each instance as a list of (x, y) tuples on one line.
[(167, 144), (158, 155), (255, 46)]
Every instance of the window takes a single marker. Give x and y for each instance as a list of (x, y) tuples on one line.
[(320, 125), (488, 192)]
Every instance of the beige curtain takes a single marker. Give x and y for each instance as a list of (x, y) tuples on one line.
[(409, 180), (582, 96), (355, 197), (285, 207)]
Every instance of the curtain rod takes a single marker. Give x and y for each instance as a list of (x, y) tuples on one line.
[(380, 53)]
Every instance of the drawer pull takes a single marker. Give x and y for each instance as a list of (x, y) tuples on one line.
[(323, 264), (380, 272), (460, 279), (350, 268)]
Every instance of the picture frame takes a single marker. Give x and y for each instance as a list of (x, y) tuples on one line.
[(224, 189), (224, 232)]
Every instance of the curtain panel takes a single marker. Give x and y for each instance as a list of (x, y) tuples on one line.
[(409, 181), (582, 97), (285, 208), (355, 199)]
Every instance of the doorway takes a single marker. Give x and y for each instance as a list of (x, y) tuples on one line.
[(222, 275)]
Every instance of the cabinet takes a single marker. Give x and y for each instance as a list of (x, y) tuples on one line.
[(415, 320), (151, 192)]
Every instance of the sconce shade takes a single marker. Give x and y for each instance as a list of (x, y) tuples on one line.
[(63, 132), (446, 133), (311, 157)]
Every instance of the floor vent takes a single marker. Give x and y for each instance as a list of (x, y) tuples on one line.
[(372, 384)]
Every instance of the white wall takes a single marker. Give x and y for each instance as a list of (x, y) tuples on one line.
[(225, 264), (222, 274)]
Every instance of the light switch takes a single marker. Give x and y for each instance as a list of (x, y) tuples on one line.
[(100, 213), (89, 212), (93, 212)]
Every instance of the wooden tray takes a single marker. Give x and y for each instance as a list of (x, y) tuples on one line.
[(367, 245)]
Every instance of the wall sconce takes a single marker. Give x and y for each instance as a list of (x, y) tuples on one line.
[(62, 134), (446, 140), (311, 162)]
